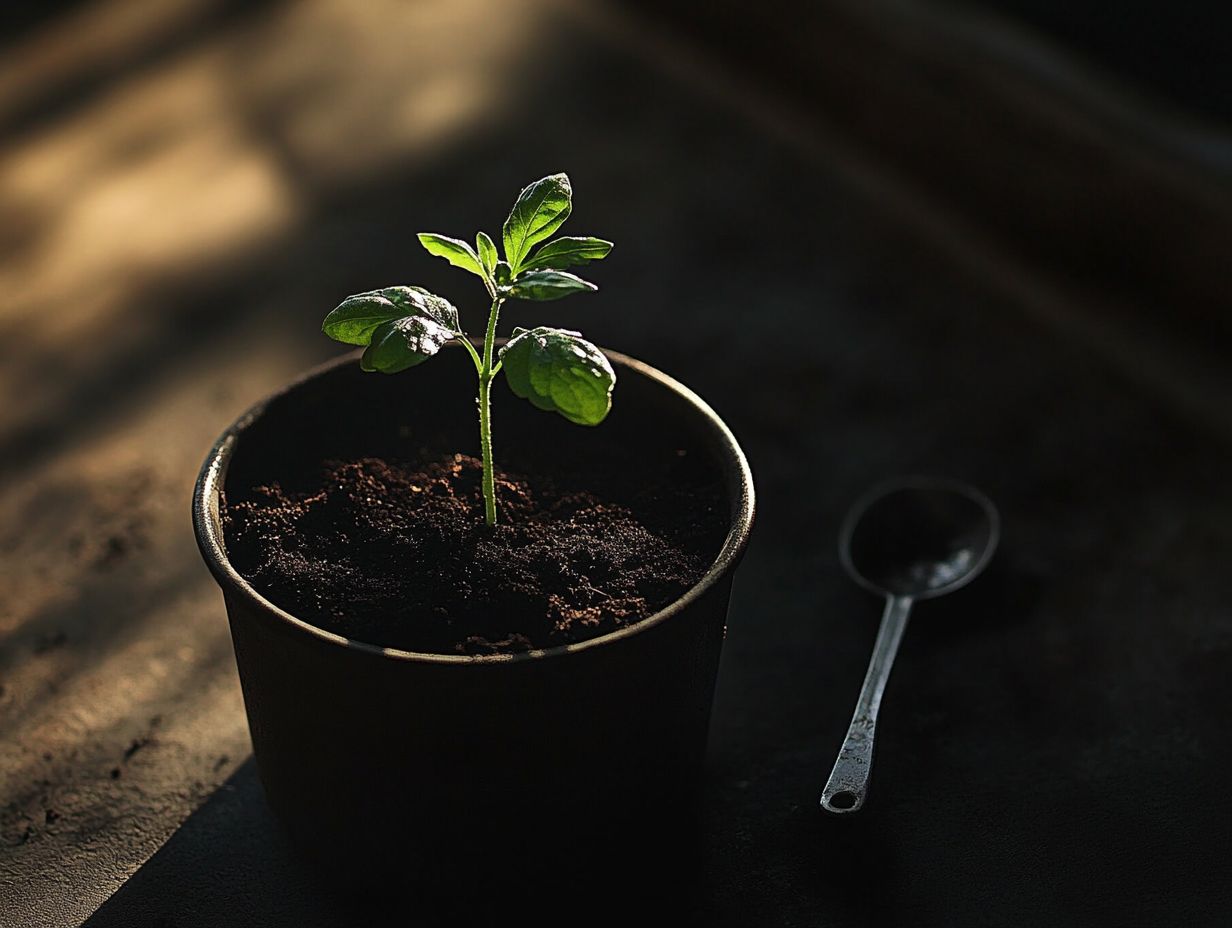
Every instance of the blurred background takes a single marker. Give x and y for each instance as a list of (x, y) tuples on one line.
[(986, 239)]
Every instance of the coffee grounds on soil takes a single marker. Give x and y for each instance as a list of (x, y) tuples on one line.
[(398, 555)]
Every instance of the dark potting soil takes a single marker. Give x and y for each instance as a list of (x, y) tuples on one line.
[(398, 555)]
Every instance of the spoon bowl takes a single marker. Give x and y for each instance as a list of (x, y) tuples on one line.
[(919, 537)]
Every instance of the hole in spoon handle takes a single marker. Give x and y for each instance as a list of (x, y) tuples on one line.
[(843, 801)]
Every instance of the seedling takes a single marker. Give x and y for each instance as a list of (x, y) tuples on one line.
[(556, 369)]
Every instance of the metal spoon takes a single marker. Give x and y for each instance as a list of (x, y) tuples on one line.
[(909, 539)]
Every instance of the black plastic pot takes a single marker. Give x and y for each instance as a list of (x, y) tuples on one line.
[(383, 762)]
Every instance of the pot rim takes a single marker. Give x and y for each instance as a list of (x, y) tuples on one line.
[(206, 527)]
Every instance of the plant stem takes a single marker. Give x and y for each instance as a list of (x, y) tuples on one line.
[(486, 373)]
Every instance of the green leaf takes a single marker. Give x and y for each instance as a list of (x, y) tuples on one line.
[(569, 251), (453, 250), (548, 285), (502, 274), (404, 343), (355, 319), (487, 252), (559, 371), (435, 307), (539, 211)]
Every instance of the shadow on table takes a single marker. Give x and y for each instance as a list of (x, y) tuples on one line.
[(230, 864)]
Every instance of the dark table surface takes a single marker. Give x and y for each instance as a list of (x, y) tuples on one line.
[(1055, 742)]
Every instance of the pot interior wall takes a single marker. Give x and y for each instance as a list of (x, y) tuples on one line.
[(346, 413)]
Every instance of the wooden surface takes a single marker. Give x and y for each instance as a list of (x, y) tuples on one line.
[(185, 189)]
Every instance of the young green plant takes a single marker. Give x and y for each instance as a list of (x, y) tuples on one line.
[(556, 369)]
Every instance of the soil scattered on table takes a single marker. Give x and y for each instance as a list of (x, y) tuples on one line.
[(398, 555)]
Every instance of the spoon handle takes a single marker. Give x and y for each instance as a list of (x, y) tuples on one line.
[(844, 791)]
